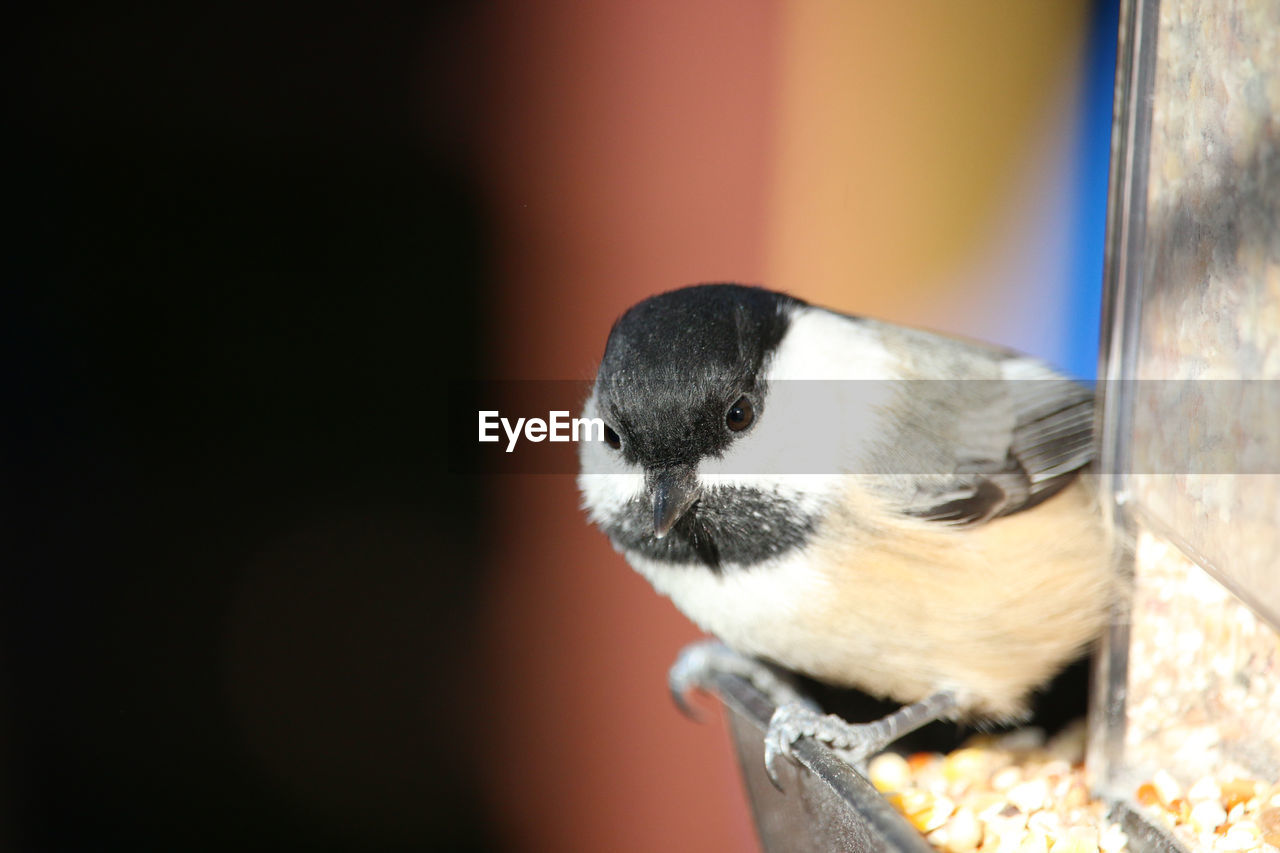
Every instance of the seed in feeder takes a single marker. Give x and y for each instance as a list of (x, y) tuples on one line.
[(889, 771), (1112, 839), (1167, 788), (1204, 789), (1029, 796), (964, 830), (1207, 816)]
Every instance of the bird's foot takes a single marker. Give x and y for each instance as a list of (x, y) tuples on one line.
[(700, 662), (855, 742)]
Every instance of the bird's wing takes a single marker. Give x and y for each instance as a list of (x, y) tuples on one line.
[(1050, 440), (1005, 435)]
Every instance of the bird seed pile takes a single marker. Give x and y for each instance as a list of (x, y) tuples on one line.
[(1017, 793)]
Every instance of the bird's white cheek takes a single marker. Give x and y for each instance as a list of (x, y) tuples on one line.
[(606, 481), (807, 494), (604, 495)]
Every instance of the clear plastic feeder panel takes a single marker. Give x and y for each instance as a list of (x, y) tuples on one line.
[(1186, 719)]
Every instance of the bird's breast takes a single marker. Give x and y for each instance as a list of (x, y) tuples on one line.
[(905, 609)]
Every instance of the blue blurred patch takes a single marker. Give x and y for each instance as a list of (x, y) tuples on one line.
[(1089, 219)]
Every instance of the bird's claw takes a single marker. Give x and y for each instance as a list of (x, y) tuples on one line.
[(699, 663), (795, 720), (694, 669), (795, 716)]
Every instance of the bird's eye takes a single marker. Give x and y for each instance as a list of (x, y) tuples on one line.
[(740, 415), (611, 438)]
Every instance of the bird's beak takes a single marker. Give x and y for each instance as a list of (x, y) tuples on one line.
[(674, 490)]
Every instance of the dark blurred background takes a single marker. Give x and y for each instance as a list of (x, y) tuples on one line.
[(251, 253), (251, 597)]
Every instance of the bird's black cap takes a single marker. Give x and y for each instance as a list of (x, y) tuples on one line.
[(676, 362)]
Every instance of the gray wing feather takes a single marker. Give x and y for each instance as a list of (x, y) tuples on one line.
[(999, 434)]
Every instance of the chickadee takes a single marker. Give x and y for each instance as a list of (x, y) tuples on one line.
[(870, 505)]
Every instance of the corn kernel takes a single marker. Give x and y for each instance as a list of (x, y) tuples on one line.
[(1074, 844), (1035, 842), (889, 771), (1029, 796), (965, 764), (1238, 791), (1006, 778), (1205, 788), (1167, 788), (1207, 815), (964, 830), (1147, 794), (1112, 839)]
